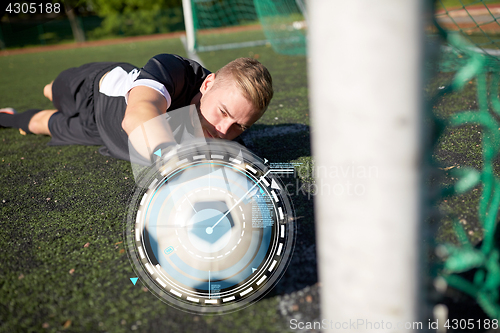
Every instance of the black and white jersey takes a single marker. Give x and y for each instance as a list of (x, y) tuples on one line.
[(176, 78)]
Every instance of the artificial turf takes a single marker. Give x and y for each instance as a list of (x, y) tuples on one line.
[(63, 265), (458, 147)]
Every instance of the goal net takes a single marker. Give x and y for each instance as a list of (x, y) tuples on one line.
[(223, 24)]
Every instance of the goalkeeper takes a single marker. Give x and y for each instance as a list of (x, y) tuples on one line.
[(102, 103)]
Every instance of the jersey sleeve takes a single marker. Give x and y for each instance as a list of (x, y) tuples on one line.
[(154, 85), (175, 77)]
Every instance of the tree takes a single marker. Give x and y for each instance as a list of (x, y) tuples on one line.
[(71, 7), (136, 17)]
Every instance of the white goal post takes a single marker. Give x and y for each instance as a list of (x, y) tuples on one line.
[(365, 111), (192, 43), (189, 24)]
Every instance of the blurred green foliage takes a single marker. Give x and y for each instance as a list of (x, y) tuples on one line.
[(94, 19), (137, 17)]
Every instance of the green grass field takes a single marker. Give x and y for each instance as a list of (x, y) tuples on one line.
[(453, 4), (63, 266)]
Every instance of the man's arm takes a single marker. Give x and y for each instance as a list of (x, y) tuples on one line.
[(144, 104)]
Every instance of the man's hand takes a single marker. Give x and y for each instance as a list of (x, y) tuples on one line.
[(144, 104)]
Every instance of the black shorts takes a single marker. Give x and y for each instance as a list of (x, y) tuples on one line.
[(73, 97)]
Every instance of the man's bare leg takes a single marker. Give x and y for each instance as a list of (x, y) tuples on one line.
[(47, 91), (35, 121), (39, 123)]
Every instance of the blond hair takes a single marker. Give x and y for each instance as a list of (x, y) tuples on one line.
[(252, 79)]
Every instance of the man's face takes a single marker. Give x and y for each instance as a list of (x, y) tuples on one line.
[(224, 112)]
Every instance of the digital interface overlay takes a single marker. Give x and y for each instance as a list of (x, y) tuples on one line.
[(211, 229)]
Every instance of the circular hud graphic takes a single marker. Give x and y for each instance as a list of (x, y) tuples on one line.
[(213, 230)]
